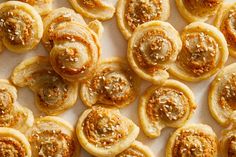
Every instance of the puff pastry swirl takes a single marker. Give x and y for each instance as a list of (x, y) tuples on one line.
[(152, 49), (53, 95), (204, 52)]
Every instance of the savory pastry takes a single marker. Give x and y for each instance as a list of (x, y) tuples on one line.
[(204, 52), (95, 9), (152, 49), (13, 143), (168, 105), (21, 27), (225, 21), (198, 10), (196, 140), (53, 137), (222, 95), (114, 83), (11, 114), (53, 95), (132, 13), (105, 132)]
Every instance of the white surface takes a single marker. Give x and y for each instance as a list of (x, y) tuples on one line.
[(113, 44)]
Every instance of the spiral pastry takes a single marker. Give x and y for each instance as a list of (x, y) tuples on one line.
[(105, 132), (53, 95), (95, 9), (132, 13), (198, 10), (196, 140), (21, 27), (204, 52), (53, 137), (153, 47), (114, 83)]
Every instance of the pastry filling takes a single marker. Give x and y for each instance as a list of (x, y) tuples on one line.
[(232, 146)]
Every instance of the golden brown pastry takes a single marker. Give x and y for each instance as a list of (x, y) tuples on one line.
[(95, 9), (105, 132), (132, 13), (114, 83), (204, 52), (152, 49), (53, 137), (13, 143), (195, 140), (168, 105), (21, 27), (198, 10), (53, 95)]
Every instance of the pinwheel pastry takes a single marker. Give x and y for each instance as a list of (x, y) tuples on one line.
[(53, 137), (114, 83), (198, 10), (21, 27), (222, 95), (95, 9), (196, 140), (132, 13), (204, 52), (105, 132), (53, 95), (170, 104), (152, 49), (225, 21), (11, 114)]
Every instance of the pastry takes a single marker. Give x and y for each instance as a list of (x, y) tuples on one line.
[(13, 143), (105, 132), (204, 52), (168, 105), (198, 10), (11, 113), (21, 27), (195, 140), (95, 9), (114, 83), (152, 49), (53, 95), (132, 13), (52, 137)]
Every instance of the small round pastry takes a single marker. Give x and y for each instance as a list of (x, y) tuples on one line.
[(192, 140), (105, 132), (53, 94), (114, 83), (168, 105), (53, 137), (222, 95), (132, 13), (152, 49), (95, 9), (204, 52), (198, 10), (21, 27), (13, 143), (225, 21)]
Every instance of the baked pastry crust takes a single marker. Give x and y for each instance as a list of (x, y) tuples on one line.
[(105, 132), (168, 105), (53, 95), (114, 83), (198, 10), (152, 49), (192, 140), (204, 52), (53, 136), (21, 27), (132, 13)]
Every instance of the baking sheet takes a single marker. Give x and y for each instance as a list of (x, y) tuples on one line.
[(113, 44)]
